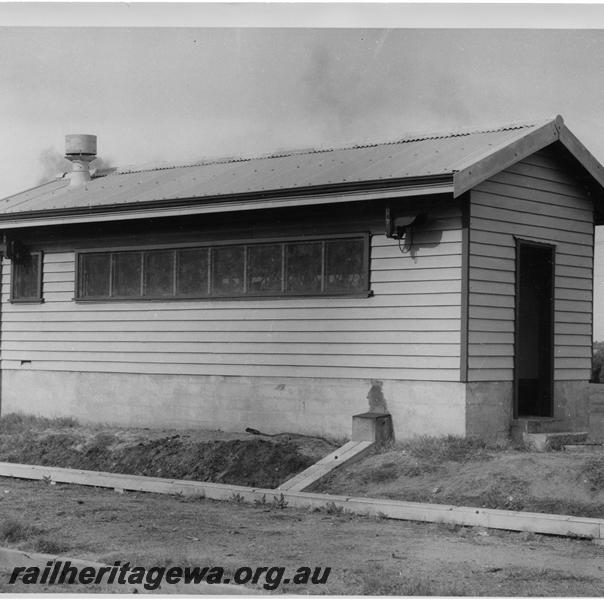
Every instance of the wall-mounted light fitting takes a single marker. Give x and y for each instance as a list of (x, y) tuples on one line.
[(398, 227)]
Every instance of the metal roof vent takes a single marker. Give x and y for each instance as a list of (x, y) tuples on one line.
[(80, 149)]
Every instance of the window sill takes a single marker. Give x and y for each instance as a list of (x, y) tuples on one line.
[(365, 294), (26, 301)]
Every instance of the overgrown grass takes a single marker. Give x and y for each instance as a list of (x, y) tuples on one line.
[(520, 574), (422, 455), (387, 582), (426, 454), (50, 546), (13, 530), (19, 423), (439, 465), (391, 471), (449, 448), (530, 581), (593, 473), (386, 472)]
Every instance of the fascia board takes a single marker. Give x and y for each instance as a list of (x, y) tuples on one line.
[(503, 156), (20, 221)]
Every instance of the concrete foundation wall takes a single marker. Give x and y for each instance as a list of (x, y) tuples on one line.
[(302, 405), (571, 402), (489, 408), (595, 395)]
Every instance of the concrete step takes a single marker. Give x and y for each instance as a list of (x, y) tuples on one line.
[(539, 425), (555, 440)]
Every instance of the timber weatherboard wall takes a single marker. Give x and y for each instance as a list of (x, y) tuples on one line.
[(433, 343), (409, 329), (534, 200)]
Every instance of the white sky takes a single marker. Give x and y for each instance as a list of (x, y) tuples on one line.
[(180, 94)]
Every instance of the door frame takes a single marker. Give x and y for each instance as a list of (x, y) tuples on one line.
[(520, 243)]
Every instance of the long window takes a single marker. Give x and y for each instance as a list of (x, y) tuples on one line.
[(334, 266), (26, 278)]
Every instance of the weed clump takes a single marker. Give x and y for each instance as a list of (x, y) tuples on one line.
[(48, 546), (386, 472), (449, 448), (260, 501), (387, 582), (237, 498), (20, 423), (593, 473), (331, 508), (424, 455), (279, 502), (12, 530)]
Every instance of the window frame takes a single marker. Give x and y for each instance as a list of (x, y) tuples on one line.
[(38, 298), (245, 243)]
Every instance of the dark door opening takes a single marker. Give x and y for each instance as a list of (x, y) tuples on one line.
[(533, 364)]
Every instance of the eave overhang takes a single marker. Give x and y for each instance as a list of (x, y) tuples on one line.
[(223, 204)]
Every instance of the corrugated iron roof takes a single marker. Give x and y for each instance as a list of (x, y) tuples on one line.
[(412, 158)]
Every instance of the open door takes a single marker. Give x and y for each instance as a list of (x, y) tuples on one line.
[(534, 338)]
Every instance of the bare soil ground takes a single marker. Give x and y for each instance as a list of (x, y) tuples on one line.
[(367, 556), (238, 458), (474, 473)]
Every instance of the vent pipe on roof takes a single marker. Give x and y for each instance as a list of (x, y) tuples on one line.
[(80, 149)]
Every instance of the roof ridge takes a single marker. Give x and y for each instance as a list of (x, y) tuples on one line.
[(412, 137), (31, 189)]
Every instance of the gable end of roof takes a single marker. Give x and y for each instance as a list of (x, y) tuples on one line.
[(479, 168), (493, 160)]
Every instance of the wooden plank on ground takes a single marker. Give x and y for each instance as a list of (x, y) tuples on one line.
[(350, 451), (563, 525)]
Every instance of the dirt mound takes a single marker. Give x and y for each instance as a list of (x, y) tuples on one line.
[(470, 473), (257, 461)]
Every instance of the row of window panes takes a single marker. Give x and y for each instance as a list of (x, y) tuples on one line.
[(329, 266)]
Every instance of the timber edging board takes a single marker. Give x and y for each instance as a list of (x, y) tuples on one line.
[(564, 525)]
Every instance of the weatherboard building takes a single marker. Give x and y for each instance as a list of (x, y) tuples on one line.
[(444, 279)]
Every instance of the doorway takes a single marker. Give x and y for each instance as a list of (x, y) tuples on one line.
[(534, 327)]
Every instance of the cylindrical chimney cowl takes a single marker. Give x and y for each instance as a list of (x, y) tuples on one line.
[(80, 144), (80, 149)]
